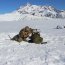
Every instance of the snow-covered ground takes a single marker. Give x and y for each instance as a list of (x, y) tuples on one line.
[(24, 53)]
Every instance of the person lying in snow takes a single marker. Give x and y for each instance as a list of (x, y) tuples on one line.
[(32, 34)]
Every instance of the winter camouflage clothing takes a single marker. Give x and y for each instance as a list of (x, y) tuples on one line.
[(35, 38)]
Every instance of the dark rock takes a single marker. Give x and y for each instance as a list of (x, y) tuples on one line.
[(58, 27)]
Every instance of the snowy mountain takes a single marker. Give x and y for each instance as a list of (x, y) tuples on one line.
[(43, 11), (32, 11)]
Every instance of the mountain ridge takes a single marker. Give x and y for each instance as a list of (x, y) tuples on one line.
[(44, 11)]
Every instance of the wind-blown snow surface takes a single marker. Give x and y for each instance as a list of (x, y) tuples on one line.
[(14, 53)]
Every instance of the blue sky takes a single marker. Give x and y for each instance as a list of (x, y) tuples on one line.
[(11, 5)]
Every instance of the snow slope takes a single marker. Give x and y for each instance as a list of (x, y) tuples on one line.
[(10, 16), (14, 53)]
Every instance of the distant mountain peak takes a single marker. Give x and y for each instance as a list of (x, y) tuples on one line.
[(43, 11)]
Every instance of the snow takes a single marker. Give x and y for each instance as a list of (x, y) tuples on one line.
[(10, 16), (24, 53)]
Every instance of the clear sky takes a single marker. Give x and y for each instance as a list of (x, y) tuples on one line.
[(11, 5)]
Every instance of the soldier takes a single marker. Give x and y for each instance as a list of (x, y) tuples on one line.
[(32, 34)]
